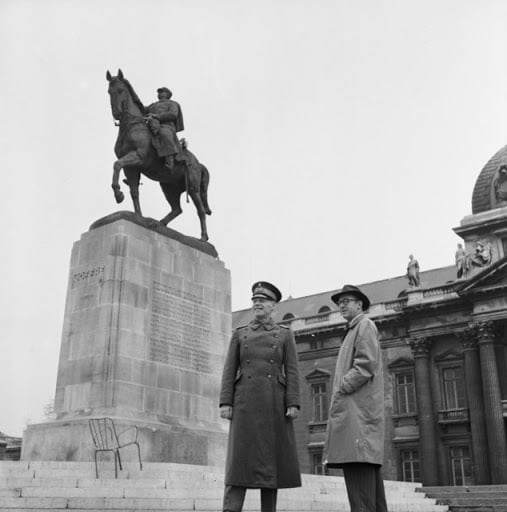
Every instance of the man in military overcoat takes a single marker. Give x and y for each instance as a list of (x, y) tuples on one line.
[(355, 429), (165, 119), (260, 395)]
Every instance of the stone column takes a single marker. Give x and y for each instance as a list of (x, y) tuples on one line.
[(492, 402), (428, 442), (475, 407)]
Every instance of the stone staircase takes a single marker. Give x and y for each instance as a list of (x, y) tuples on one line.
[(472, 498), (54, 486)]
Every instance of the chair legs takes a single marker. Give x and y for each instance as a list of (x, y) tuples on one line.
[(117, 460), (116, 455), (117, 451), (139, 454)]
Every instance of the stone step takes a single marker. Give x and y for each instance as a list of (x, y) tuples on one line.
[(54, 486), (478, 509), (475, 501), (251, 503), (464, 489), (154, 471), (315, 488), (196, 493)]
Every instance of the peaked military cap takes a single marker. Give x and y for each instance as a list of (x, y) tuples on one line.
[(166, 90), (265, 290), (350, 289)]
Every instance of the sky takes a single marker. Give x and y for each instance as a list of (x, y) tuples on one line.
[(341, 136)]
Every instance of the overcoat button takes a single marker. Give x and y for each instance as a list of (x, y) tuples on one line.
[(269, 376), (271, 361)]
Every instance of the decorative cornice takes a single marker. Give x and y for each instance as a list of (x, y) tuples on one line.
[(318, 354), (401, 362), (318, 374)]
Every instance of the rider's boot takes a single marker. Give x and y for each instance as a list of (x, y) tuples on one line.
[(169, 162)]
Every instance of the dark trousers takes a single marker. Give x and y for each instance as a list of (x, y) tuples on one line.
[(365, 487), (235, 496)]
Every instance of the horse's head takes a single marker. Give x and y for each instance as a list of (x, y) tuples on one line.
[(118, 93)]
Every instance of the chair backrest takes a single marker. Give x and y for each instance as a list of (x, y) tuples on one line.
[(103, 433)]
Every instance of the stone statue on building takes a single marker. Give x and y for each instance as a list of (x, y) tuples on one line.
[(463, 262), (413, 272), (483, 255)]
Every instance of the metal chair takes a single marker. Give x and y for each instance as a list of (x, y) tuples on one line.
[(106, 439)]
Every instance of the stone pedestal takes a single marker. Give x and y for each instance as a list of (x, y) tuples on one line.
[(147, 323)]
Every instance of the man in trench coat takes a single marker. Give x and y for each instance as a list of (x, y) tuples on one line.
[(260, 396), (355, 429)]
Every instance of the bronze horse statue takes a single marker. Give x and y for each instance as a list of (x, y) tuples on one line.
[(136, 156)]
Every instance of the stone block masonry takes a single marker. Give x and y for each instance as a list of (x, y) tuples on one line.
[(146, 326)]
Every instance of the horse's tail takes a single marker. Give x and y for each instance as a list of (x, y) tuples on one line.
[(204, 188)]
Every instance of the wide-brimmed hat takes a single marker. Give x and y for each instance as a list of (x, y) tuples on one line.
[(350, 289), (166, 90), (265, 290)]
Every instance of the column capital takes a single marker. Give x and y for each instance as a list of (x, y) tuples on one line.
[(468, 338), (420, 346), (485, 332)]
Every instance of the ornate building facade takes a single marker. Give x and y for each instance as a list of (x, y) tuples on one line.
[(444, 353)]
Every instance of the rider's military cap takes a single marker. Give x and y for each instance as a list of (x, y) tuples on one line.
[(265, 290), (166, 90)]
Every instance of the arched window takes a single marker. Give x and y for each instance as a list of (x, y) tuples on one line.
[(288, 316), (324, 309)]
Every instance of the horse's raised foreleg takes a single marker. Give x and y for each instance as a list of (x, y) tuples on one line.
[(173, 197), (131, 158), (118, 194)]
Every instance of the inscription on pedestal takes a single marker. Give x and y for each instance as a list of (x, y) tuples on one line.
[(87, 275), (180, 333)]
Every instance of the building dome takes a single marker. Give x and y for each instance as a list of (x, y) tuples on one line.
[(490, 189)]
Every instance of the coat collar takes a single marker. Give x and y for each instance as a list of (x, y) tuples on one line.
[(356, 320), (269, 325)]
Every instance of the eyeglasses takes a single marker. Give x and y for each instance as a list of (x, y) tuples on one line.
[(345, 302)]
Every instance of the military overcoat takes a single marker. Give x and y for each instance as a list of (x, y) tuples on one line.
[(260, 380), (355, 429), (170, 121)]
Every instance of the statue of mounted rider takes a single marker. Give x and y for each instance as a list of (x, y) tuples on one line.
[(148, 144)]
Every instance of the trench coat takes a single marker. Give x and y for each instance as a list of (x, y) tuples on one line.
[(260, 380), (355, 428)]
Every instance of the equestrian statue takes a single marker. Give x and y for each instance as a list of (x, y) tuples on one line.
[(148, 144)]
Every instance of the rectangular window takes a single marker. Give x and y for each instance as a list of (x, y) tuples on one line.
[(405, 393), (317, 344), (317, 467), (461, 465), (410, 465), (453, 388), (319, 401)]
